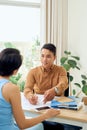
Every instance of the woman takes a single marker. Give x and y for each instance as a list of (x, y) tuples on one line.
[(10, 100)]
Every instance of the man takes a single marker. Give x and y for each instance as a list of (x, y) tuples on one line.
[(47, 79)]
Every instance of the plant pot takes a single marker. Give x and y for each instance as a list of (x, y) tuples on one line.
[(84, 99)]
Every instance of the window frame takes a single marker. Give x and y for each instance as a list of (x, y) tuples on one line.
[(20, 3)]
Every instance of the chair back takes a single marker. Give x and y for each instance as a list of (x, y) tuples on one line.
[(66, 93)]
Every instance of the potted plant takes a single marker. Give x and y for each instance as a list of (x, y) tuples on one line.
[(16, 79), (68, 61), (83, 87)]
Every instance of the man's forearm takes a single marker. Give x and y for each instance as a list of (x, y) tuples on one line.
[(60, 88), (27, 92)]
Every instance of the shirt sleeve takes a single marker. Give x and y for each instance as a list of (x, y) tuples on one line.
[(63, 81), (29, 84)]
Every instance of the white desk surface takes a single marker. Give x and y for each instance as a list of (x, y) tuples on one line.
[(72, 117)]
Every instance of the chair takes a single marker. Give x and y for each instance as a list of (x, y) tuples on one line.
[(66, 93), (69, 127)]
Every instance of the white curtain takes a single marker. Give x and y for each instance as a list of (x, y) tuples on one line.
[(54, 23)]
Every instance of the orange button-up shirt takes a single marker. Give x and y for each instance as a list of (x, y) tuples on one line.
[(40, 80)]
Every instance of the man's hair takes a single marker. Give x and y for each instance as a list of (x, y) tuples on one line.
[(10, 60), (50, 47)]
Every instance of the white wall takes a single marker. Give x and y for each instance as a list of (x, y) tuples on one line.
[(77, 29), (77, 35)]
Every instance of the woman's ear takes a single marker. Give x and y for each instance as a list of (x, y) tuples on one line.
[(15, 72)]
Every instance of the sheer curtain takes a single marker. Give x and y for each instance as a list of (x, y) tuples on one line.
[(54, 21)]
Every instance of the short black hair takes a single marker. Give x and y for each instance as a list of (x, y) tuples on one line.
[(10, 60), (50, 47)]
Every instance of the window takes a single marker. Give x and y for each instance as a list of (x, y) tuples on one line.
[(35, 1), (19, 23), (20, 27)]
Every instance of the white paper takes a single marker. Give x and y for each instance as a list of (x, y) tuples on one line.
[(27, 106)]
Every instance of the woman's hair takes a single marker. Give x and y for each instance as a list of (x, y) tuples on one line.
[(10, 60), (50, 47)]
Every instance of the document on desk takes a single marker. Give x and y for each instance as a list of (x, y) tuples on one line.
[(27, 106)]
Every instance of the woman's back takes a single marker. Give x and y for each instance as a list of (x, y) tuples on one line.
[(6, 117), (10, 62)]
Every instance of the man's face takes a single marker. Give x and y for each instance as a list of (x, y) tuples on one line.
[(47, 58)]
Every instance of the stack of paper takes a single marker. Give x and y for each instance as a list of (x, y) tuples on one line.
[(27, 106), (66, 102)]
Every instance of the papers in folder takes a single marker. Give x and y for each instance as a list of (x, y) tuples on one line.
[(66, 102)]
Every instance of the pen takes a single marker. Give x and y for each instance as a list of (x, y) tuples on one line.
[(34, 92)]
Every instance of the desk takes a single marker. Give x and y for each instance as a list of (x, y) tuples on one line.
[(71, 117)]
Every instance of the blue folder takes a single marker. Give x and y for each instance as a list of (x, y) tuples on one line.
[(68, 105)]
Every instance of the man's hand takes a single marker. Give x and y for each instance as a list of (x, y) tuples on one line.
[(33, 99), (49, 95)]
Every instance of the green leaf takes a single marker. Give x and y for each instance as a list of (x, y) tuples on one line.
[(77, 84), (77, 68), (9, 45), (67, 67), (71, 78), (18, 76), (83, 82), (67, 52), (74, 91), (63, 59), (13, 80), (76, 57), (84, 77), (84, 89), (72, 63), (21, 84)]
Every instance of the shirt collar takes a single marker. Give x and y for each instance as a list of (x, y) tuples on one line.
[(44, 70)]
